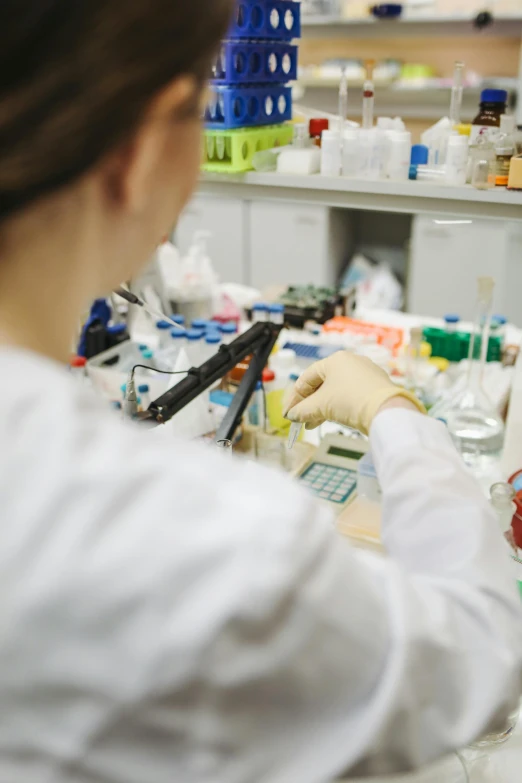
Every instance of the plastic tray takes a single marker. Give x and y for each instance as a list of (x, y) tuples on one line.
[(246, 107), (253, 62), (278, 20), (231, 151)]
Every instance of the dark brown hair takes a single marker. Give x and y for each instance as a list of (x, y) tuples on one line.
[(76, 77)]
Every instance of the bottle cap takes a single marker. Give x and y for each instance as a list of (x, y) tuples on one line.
[(116, 405), (144, 388), (78, 361), (148, 355), (194, 334), (230, 328), (200, 323), (163, 325), (493, 96), (143, 347), (259, 386), (318, 126), (413, 172), (294, 377), (178, 319), (452, 318), (178, 334), (260, 307), (212, 338), (268, 375), (501, 320), (276, 308), (116, 329)]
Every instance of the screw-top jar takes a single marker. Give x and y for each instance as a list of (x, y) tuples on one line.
[(492, 106)]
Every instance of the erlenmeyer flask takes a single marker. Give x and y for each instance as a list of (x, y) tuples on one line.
[(472, 419)]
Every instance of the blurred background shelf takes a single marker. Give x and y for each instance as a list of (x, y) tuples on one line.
[(322, 26)]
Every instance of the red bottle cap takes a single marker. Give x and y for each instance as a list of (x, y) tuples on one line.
[(517, 520), (78, 361), (318, 126), (268, 375)]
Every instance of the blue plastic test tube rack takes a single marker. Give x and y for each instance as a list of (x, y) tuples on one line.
[(275, 20), (245, 107), (253, 62)]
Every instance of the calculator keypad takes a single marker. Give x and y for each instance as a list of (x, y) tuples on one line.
[(329, 483)]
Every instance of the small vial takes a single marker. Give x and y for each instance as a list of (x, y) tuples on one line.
[(144, 392), (195, 346), (260, 313), (498, 325), (229, 332), (212, 343), (451, 320), (294, 435), (148, 359), (502, 500), (482, 177), (164, 328), (77, 367), (276, 314)]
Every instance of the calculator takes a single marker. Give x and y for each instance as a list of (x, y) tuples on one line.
[(331, 475)]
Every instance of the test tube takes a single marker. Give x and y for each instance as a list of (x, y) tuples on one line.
[(294, 434), (457, 92), (276, 314), (368, 96), (229, 332)]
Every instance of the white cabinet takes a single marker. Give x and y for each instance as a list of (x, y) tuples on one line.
[(448, 256), (227, 222), (293, 244)]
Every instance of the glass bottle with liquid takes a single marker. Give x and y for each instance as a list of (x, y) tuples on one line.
[(472, 419)]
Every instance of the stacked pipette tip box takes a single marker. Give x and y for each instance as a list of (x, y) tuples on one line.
[(250, 97)]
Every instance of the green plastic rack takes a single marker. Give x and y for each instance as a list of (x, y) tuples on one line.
[(455, 346), (232, 151)]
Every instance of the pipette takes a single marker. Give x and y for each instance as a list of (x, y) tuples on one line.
[(343, 101), (368, 96), (457, 92), (135, 300), (294, 435)]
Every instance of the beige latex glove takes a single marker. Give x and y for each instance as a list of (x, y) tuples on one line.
[(346, 389)]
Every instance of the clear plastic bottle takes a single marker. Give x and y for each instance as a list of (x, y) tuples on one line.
[(505, 149), (482, 164), (164, 329), (260, 312), (452, 321), (194, 344), (276, 314)]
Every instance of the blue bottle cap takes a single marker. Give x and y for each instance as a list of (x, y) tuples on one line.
[(123, 387), (276, 308), (260, 307), (452, 318), (229, 328), (116, 405), (148, 355), (179, 319), (143, 347), (419, 155), (501, 320), (144, 388), (194, 334), (413, 172), (294, 377), (163, 325), (259, 386), (493, 96), (178, 334), (116, 329), (200, 323), (212, 338)]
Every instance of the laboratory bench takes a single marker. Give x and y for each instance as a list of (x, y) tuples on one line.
[(271, 229)]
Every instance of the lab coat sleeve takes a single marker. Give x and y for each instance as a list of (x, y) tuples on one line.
[(335, 661)]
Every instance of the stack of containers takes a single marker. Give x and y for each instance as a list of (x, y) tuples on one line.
[(250, 101)]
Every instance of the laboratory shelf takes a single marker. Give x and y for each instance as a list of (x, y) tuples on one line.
[(414, 198), (415, 26)]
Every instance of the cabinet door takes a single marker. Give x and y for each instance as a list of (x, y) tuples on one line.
[(446, 259), (289, 245), (225, 220)]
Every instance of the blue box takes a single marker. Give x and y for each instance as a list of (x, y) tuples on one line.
[(246, 107), (253, 62), (278, 20)]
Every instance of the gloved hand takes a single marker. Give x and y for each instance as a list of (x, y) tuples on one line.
[(344, 388)]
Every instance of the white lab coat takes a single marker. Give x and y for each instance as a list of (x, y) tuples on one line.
[(170, 616)]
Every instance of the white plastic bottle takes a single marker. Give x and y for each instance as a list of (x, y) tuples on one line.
[(399, 155), (351, 152), (331, 162), (457, 160)]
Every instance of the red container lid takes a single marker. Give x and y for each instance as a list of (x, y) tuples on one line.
[(268, 375), (317, 126), (517, 520), (78, 361)]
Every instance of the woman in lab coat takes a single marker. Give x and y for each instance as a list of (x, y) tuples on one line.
[(168, 615)]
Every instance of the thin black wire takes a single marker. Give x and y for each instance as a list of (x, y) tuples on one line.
[(153, 369)]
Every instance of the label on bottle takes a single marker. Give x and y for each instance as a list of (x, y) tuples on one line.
[(477, 131)]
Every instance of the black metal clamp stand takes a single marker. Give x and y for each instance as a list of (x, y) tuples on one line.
[(258, 342)]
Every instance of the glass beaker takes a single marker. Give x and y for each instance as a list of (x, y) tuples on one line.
[(472, 419)]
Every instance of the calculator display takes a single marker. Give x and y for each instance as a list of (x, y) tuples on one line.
[(333, 451)]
